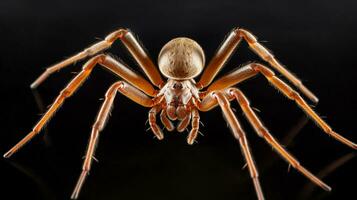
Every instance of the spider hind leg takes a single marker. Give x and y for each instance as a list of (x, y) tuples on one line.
[(263, 132), (102, 117), (240, 135)]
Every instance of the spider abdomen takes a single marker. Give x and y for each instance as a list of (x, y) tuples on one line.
[(181, 59)]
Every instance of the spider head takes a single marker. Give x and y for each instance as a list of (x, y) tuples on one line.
[(181, 58)]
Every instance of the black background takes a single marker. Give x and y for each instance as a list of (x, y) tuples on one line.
[(315, 39)]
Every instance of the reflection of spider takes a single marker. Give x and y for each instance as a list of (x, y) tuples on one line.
[(180, 97)]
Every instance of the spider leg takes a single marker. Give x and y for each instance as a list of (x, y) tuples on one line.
[(130, 42), (230, 79), (239, 134), (264, 133), (218, 60), (195, 123), (293, 95), (99, 124), (226, 50), (152, 121), (267, 56), (167, 123), (252, 69), (184, 123), (116, 67)]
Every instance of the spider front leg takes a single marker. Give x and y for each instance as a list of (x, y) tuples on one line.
[(253, 69), (267, 56), (218, 97), (152, 121), (264, 133), (195, 123), (125, 89), (130, 42), (165, 121), (184, 123), (106, 61), (227, 49)]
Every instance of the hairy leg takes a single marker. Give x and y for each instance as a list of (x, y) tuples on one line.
[(219, 59), (264, 133), (253, 69), (134, 47), (226, 50), (267, 56), (165, 121), (293, 95), (152, 121), (195, 123), (184, 123), (239, 134), (76, 82), (99, 124)]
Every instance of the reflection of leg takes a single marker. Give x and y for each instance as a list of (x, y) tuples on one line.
[(307, 190), (263, 132), (45, 190), (295, 130), (287, 141), (42, 109), (239, 134)]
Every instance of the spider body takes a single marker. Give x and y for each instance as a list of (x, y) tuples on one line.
[(180, 97), (181, 58)]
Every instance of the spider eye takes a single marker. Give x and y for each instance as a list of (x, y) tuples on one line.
[(181, 58)]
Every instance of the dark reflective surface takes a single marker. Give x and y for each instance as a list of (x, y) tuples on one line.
[(317, 41)]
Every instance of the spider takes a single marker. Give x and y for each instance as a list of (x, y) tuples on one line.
[(179, 97)]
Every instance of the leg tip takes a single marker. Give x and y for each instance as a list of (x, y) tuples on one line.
[(180, 130), (309, 94), (79, 184), (171, 129), (343, 140), (315, 100), (354, 146), (7, 154), (190, 141), (327, 188), (160, 137), (33, 85), (74, 196), (191, 138)]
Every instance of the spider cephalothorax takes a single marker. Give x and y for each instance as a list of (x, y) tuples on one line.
[(180, 97)]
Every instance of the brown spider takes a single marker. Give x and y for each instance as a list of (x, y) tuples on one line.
[(180, 97)]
